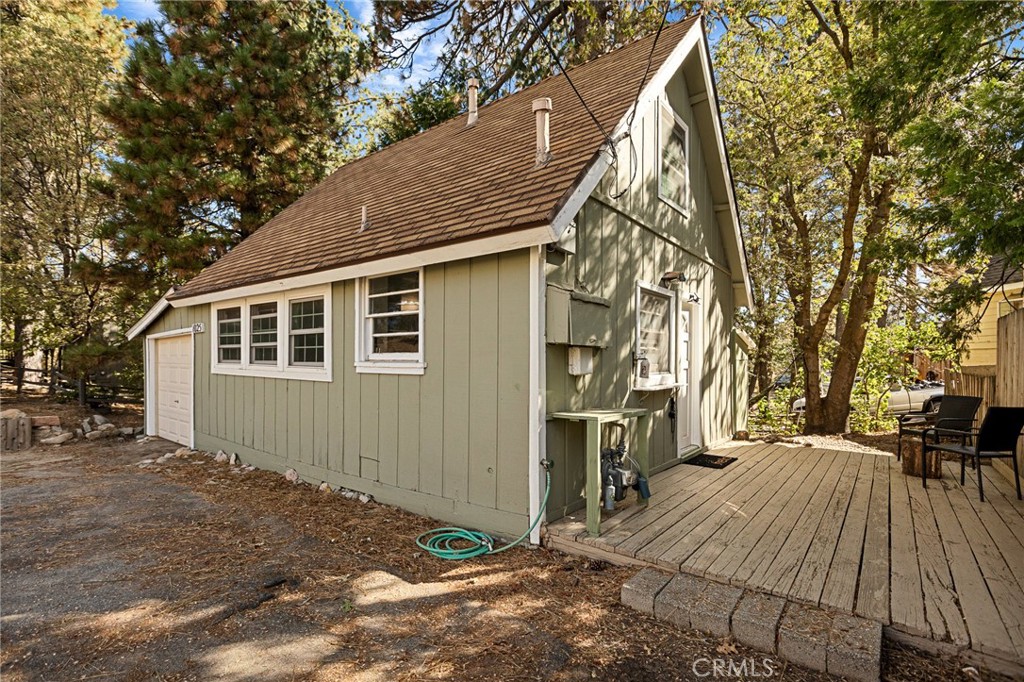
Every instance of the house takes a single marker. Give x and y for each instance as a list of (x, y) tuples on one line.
[(407, 326), (1003, 283)]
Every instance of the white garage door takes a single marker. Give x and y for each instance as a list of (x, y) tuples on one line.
[(174, 388)]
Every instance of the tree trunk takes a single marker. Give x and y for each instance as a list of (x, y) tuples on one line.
[(19, 354)]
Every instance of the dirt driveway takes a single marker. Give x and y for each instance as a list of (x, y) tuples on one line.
[(194, 569)]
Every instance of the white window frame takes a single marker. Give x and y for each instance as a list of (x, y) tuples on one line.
[(302, 332), (665, 107), (367, 362), (282, 369), (662, 380), (215, 326)]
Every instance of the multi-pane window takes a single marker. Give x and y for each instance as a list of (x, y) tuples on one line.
[(229, 334), (392, 315), (306, 332), (655, 336), (263, 333), (674, 175)]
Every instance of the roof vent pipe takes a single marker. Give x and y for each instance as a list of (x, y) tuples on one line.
[(542, 109), (365, 220), (473, 85)]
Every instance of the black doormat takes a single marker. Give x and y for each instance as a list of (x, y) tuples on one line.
[(710, 461)]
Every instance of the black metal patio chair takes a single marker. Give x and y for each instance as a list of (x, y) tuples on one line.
[(996, 439), (956, 412)]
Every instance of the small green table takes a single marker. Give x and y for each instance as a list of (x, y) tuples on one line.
[(594, 419)]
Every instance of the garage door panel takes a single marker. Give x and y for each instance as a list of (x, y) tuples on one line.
[(174, 388)]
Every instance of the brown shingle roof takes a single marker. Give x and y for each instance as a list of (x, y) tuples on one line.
[(449, 183), (999, 272)]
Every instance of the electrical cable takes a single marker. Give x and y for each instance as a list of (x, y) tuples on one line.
[(444, 543), (636, 102), (558, 63)]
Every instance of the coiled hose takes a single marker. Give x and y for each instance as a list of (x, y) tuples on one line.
[(457, 544)]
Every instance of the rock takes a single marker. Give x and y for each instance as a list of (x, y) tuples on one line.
[(163, 459), (96, 435), (139, 430), (350, 494), (57, 440), (364, 498), (127, 431), (46, 420), (181, 452), (248, 467), (85, 426), (324, 488), (79, 433), (233, 459), (107, 426), (146, 461), (291, 475), (12, 414), (100, 420), (221, 457)]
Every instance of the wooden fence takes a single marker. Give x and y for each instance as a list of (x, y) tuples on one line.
[(87, 392), (999, 384)]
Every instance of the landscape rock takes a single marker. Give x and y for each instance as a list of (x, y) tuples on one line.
[(79, 433), (12, 414), (324, 487), (364, 498), (100, 420), (182, 451), (46, 420), (85, 426), (221, 457), (96, 435), (57, 440), (291, 475), (139, 430), (233, 459), (350, 494), (106, 426), (163, 459), (127, 431)]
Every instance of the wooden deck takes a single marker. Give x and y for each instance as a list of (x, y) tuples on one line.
[(845, 530)]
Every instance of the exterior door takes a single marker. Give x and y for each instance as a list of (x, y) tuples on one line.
[(688, 393), (173, 391)]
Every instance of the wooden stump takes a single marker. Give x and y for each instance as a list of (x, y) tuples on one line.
[(912, 459), (15, 433)]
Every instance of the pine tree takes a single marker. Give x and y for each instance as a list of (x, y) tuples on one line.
[(228, 112)]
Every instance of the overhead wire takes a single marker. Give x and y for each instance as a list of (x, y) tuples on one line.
[(633, 162)]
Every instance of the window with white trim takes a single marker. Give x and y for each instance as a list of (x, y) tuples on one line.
[(390, 320), (306, 333), (229, 335), (286, 335), (263, 333), (655, 337), (673, 146)]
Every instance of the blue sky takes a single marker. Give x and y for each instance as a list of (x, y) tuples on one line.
[(360, 10)]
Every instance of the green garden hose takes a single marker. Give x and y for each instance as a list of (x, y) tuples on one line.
[(456, 544)]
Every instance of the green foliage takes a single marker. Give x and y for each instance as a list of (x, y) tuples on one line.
[(228, 112), (58, 60), (417, 110)]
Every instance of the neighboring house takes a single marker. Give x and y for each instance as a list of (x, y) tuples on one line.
[(405, 327), (1004, 284)]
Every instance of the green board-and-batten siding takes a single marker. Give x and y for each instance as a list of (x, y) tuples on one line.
[(452, 443), (640, 237)]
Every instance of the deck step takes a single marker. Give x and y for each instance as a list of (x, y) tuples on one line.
[(840, 644)]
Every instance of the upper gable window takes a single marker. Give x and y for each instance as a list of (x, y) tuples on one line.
[(674, 169), (390, 317)]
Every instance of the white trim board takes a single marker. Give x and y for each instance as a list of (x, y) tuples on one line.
[(537, 381), (154, 312), (479, 247)]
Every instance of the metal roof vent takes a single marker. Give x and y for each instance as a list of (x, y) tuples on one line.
[(542, 109), (474, 84)]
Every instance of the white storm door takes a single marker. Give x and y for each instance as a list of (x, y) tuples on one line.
[(173, 365), (683, 410)]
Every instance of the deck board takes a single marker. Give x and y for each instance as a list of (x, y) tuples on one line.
[(846, 530)]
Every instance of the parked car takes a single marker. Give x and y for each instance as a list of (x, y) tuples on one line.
[(920, 396)]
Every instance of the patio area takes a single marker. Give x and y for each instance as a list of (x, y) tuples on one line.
[(839, 529)]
